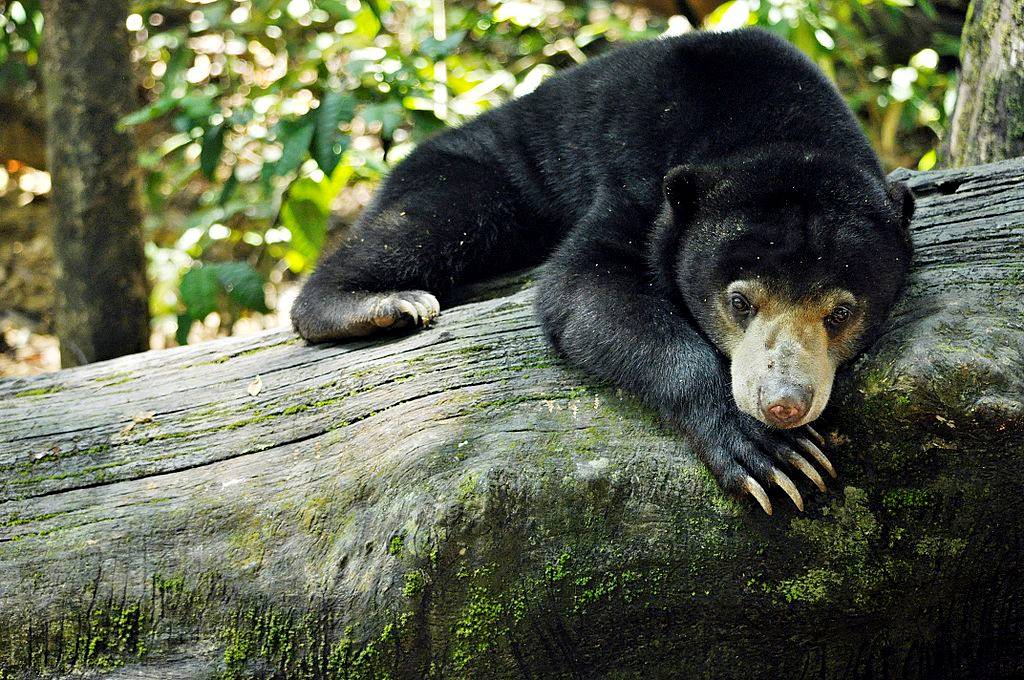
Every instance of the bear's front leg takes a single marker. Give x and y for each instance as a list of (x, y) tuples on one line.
[(602, 313)]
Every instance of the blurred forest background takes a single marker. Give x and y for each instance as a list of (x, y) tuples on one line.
[(262, 126)]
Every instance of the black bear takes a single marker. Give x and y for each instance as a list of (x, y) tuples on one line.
[(719, 238)]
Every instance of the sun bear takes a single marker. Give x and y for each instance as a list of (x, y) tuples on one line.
[(718, 238)]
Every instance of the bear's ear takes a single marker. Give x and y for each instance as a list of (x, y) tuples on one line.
[(902, 200), (684, 185)]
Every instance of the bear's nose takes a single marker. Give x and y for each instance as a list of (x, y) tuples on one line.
[(786, 405)]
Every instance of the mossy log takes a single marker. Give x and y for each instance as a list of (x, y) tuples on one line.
[(458, 504)]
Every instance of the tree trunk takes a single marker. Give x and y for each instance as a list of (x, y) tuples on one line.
[(458, 504), (102, 293), (988, 121)]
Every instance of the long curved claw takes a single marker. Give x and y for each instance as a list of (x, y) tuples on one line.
[(801, 464), (814, 435), (751, 486), (786, 484), (816, 453)]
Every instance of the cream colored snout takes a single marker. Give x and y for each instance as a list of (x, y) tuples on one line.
[(782, 372)]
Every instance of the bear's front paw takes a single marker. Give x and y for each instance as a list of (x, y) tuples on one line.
[(323, 316), (404, 308), (747, 458)]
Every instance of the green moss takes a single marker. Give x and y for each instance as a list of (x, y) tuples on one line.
[(480, 623), (813, 587), (415, 582), (470, 350), (841, 544), (116, 378), (107, 629), (25, 468), (97, 471), (224, 358), (466, 490), (15, 519), (896, 500), (39, 391)]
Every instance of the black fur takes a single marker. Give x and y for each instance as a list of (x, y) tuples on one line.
[(765, 171)]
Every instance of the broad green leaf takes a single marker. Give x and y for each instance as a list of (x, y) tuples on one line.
[(296, 136), (197, 107), (147, 113), (328, 143), (439, 49), (180, 60), (307, 222), (184, 326), (389, 114), (242, 283), (213, 145), (321, 193), (198, 288), (227, 192), (367, 22)]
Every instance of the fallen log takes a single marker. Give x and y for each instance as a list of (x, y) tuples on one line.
[(457, 503)]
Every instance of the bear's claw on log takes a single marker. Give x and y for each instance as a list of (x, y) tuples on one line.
[(783, 481), (751, 486), (814, 435), (809, 447), (801, 464)]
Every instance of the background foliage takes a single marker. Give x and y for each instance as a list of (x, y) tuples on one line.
[(257, 118)]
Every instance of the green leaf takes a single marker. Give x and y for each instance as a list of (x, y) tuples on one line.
[(213, 146), (242, 283), (928, 9), (328, 143), (438, 49), (147, 113), (227, 192), (184, 326), (296, 136), (389, 114), (307, 223), (181, 59), (197, 107), (201, 288), (198, 288), (367, 21)]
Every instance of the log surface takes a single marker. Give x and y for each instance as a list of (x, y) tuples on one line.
[(458, 503)]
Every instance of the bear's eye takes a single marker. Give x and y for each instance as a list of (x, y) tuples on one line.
[(838, 317), (740, 305)]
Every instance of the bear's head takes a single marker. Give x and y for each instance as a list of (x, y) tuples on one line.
[(790, 263)]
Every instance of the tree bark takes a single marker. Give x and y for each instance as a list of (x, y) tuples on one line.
[(988, 121), (458, 504), (102, 292)]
